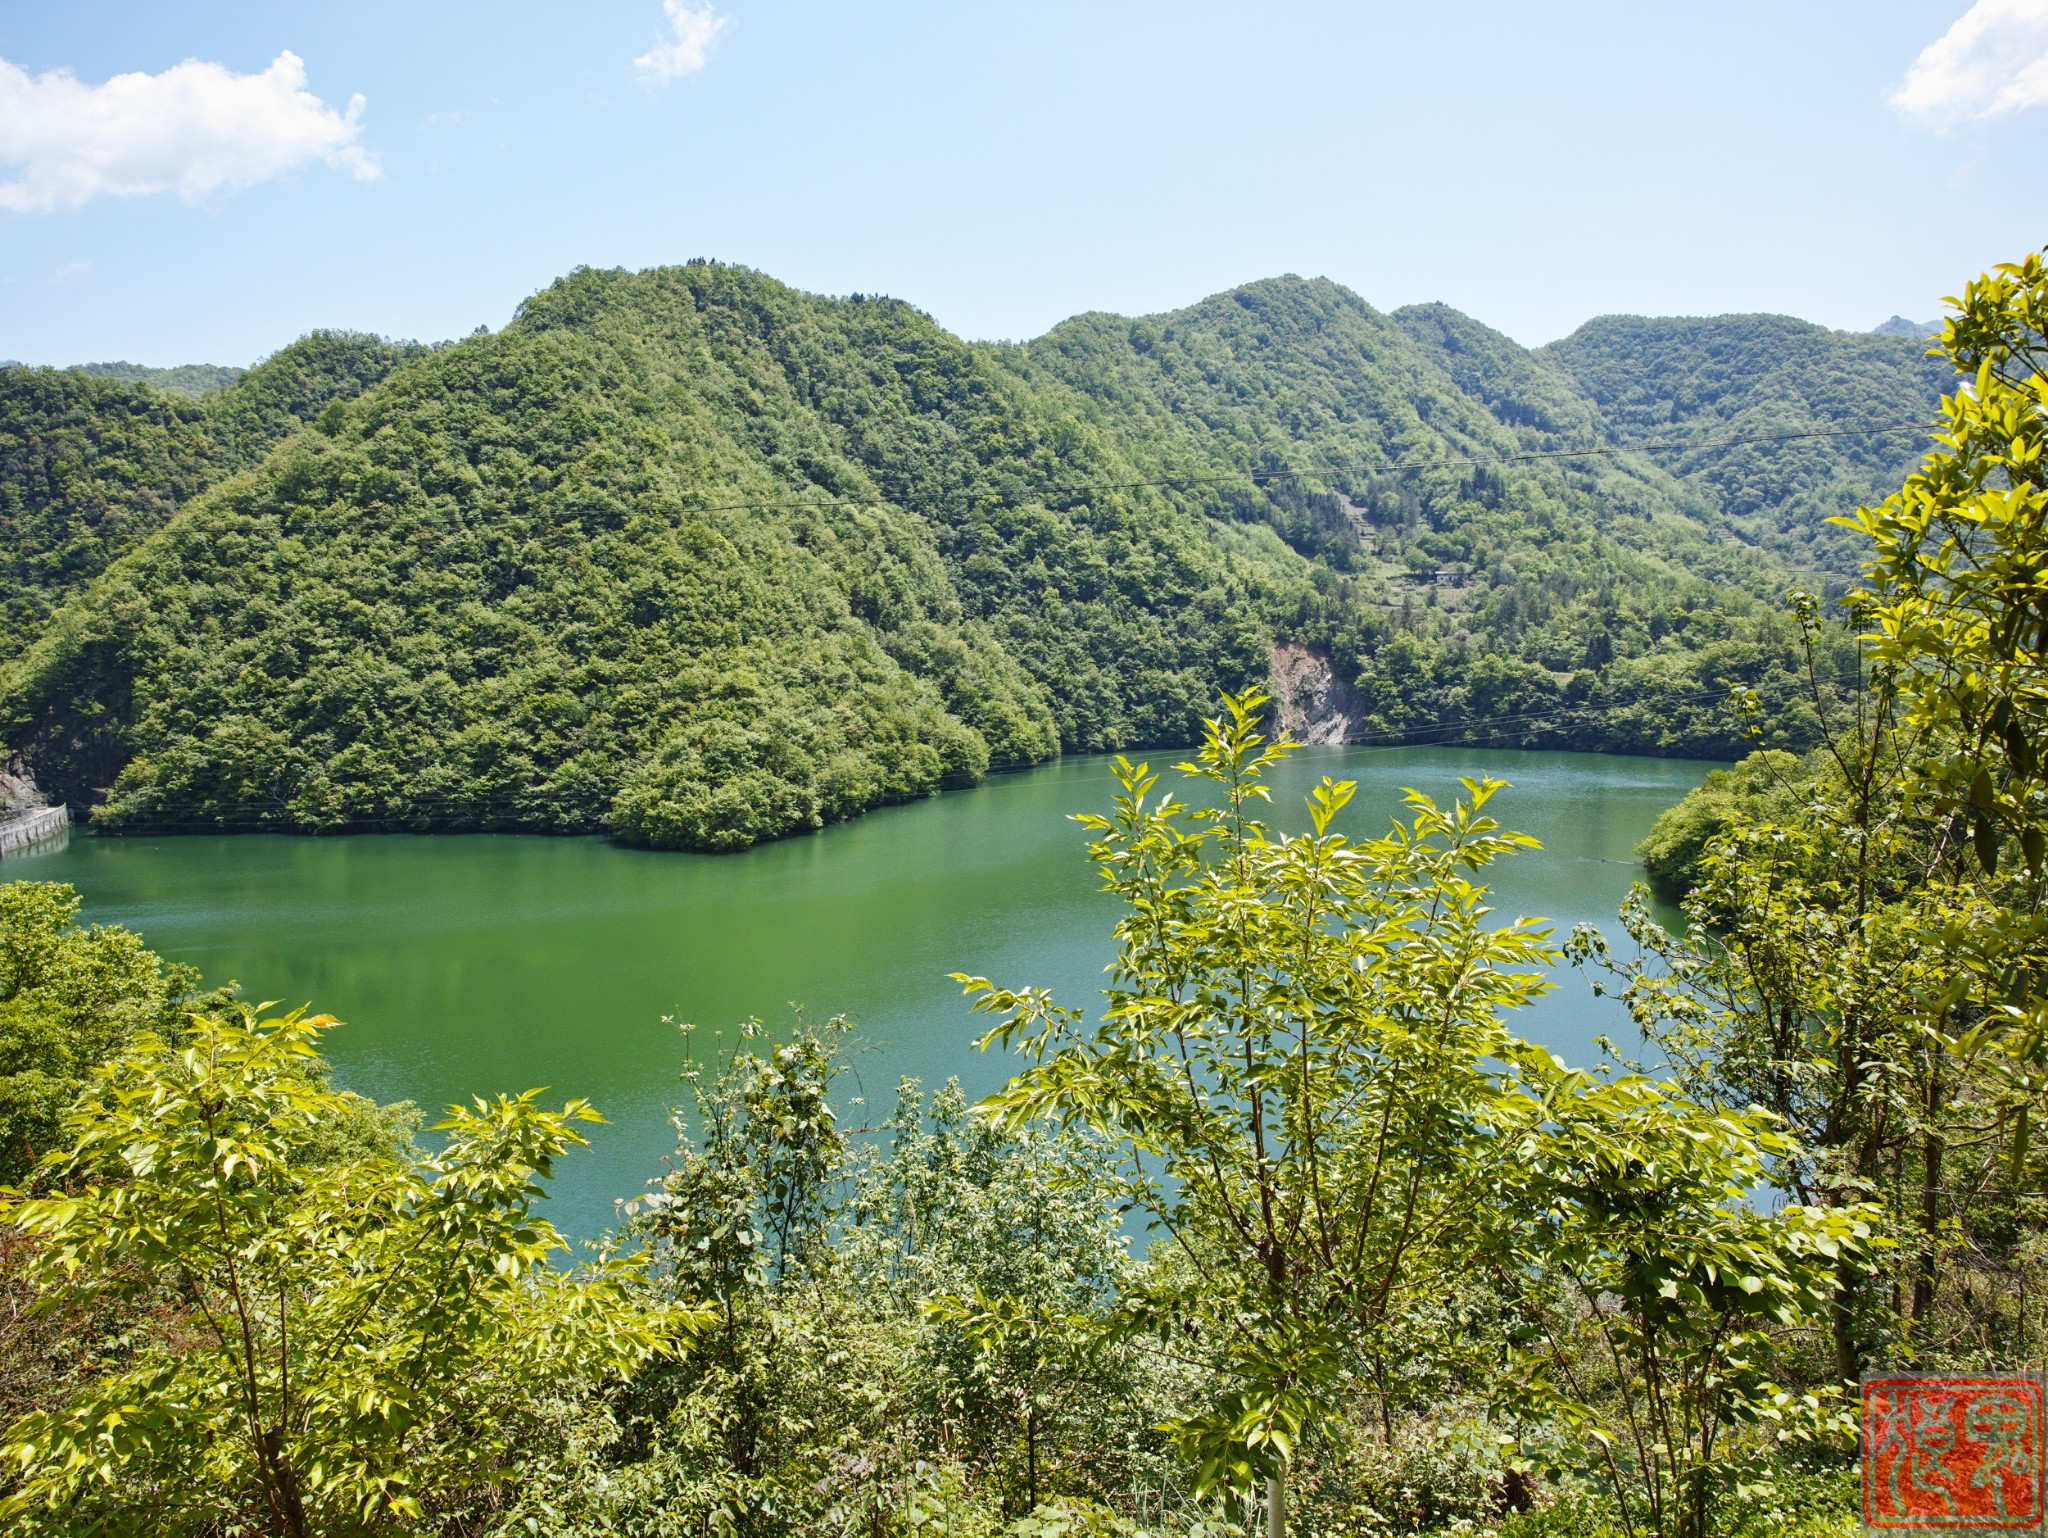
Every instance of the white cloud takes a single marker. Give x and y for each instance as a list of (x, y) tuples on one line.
[(191, 130), (1993, 61), (694, 26), (77, 269)]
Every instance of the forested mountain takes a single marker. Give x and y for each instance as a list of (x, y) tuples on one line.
[(90, 464), (191, 380), (1697, 380), (1573, 602), (691, 555)]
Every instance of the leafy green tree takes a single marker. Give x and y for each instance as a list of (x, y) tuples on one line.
[(744, 1434), (1659, 1296), (353, 1344), (1300, 1063), (1848, 1009), (1028, 1356), (1007, 1243), (70, 998), (1957, 603), (754, 1201), (1957, 609), (841, 1384), (1861, 960)]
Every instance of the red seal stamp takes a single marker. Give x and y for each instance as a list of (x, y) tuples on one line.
[(1952, 1453)]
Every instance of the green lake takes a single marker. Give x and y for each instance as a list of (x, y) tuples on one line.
[(470, 964)]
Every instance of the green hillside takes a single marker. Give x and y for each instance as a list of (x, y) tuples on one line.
[(590, 570), (699, 558), (1660, 380), (87, 468), (1578, 603), (90, 465)]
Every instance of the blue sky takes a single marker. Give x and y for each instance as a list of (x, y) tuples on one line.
[(1001, 166)]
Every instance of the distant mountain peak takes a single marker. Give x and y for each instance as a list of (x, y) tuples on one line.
[(191, 380), (1898, 325)]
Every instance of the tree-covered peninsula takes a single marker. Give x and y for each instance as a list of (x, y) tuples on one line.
[(697, 558)]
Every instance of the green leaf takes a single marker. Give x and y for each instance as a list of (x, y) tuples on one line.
[(1984, 838)]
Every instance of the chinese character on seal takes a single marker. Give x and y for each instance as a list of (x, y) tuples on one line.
[(1952, 1453)]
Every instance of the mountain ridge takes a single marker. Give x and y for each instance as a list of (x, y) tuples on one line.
[(699, 558)]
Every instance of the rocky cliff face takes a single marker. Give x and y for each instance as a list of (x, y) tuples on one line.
[(1315, 705), (17, 790)]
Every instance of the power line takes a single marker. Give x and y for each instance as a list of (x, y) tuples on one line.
[(425, 806), (1261, 477), (1410, 736)]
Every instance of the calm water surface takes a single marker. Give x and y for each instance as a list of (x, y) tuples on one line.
[(470, 964)]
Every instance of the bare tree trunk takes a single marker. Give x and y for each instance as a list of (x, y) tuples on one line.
[(1842, 1312), (290, 1510), (1924, 1271), (1031, 1458), (1276, 1505)]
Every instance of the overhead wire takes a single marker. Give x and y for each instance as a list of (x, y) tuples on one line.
[(1363, 467), (1411, 736)]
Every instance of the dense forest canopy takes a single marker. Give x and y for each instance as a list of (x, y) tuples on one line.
[(1696, 381), (697, 557), (93, 460)]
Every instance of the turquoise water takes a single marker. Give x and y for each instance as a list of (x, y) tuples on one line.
[(470, 964)]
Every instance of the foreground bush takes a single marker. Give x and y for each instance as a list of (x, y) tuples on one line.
[(345, 1344)]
